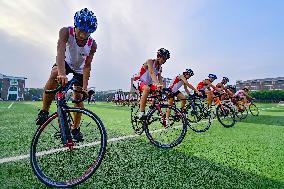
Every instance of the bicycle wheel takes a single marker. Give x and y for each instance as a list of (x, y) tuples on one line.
[(242, 114), (225, 115), (136, 123), (58, 166), (161, 135), (253, 109), (199, 119)]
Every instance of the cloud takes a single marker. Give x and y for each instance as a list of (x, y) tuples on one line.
[(129, 32)]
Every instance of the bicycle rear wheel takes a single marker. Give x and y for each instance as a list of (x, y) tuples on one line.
[(225, 115), (58, 166), (199, 119), (158, 133), (253, 109)]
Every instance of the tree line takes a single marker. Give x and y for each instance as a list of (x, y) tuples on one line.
[(268, 95)]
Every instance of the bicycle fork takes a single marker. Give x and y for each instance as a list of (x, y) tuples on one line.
[(63, 123)]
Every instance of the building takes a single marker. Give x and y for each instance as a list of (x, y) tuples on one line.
[(12, 88), (262, 84)]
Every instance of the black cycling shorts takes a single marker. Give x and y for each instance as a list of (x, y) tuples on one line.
[(77, 76), (172, 95)]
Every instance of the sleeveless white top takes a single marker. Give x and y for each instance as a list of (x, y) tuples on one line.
[(75, 56), (176, 84), (145, 76)]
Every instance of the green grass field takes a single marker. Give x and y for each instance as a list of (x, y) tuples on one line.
[(249, 155)]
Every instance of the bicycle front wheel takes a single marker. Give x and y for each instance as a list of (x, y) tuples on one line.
[(199, 119), (242, 114), (59, 166), (162, 133), (253, 109), (226, 115)]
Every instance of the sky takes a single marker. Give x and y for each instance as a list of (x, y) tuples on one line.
[(240, 39)]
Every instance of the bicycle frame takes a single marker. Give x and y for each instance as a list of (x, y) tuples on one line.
[(156, 103), (62, 120), (61, 111)]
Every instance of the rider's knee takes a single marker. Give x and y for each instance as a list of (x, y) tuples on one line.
[(54, 73), (146, 89)]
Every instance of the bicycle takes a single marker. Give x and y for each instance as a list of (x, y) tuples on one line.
[(238, 106), (56, 158), (159, 133), (253, 108), (225, 114), (198, 117)]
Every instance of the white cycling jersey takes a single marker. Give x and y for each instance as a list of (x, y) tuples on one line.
[(176, 84), (145, 76), (75, 56)]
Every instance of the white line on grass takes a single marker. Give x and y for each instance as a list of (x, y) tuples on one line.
[(42, 153), (10, 105), (21, 157)]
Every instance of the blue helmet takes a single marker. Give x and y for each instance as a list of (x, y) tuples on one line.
[(85, 20), (189, 71), (212, 76), (164, 53)]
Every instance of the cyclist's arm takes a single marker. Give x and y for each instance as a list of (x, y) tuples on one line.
[(87, 66), (188, 84), (222, 87), (186, 89), (151, 70), (214, 87), (61, 47), (160, 78)]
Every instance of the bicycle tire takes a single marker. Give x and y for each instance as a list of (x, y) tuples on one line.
[(91, 167), (225, 112), (136, 123), (197, 118), (253, 109), (150, 134)]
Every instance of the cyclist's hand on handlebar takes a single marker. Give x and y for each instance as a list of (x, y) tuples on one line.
[(62, 80)]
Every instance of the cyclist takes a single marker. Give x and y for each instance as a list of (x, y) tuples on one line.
[(243, 96), (75, 51), (231, 90), (222, 87), (180, 80), (205, 86), (150, 77)]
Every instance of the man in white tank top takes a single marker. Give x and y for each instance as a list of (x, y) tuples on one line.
[(176, 84), (75, 52), (150, 77)]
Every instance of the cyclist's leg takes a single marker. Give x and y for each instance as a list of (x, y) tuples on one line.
[(210, 97), (145, 93), (77, 96), (50, 84), (170, 102), (182, 98)]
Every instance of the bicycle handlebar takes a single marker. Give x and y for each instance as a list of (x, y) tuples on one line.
[(68, 87)]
